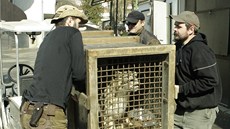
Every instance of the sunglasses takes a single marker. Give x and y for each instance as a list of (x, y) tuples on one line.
[(129, 23)]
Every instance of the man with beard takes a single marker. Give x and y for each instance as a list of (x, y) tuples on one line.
[(59, 64), (197, 78), (136, 22)]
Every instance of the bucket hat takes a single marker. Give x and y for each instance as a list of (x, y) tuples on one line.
[(69, 10)]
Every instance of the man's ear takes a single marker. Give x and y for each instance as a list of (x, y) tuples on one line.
[(143, 23), (191, 30), (68, 21)]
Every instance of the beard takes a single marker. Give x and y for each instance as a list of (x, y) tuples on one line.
[(76, 25), (136, 31), (179, 38)]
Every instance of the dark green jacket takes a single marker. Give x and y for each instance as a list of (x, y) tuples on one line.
[(147, 38)]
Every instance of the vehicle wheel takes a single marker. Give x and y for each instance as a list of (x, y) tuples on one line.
[(24, 69)]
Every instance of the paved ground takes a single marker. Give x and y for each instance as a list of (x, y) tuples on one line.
[(27, 56)]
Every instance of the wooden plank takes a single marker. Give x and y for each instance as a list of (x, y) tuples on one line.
[(97, 33), (110, 40)]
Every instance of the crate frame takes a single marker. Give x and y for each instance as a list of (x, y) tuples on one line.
[(92, 55)]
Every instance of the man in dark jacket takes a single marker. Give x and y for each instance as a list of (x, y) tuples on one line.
[(59, 63), (197, 78), (136, 22)]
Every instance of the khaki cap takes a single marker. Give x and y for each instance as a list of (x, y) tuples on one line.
[(188, 17), (69, 10)]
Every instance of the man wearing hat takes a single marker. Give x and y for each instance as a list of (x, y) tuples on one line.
[(198, 88), (136, 22), (59, 63)]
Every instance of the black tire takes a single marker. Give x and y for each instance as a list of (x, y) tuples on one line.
[(21, 72)]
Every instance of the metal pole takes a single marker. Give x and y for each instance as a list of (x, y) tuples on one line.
[(1, 62), (17, 63), (3, 111), (116, 18), (111, 13), (152, 15), (124, 16)]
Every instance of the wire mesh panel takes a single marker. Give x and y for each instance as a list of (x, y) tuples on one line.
[(131, 88)]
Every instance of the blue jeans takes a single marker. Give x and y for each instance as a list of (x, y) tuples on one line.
[(197, 119)]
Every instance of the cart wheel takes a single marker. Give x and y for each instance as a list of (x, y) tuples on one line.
[(24, 69)]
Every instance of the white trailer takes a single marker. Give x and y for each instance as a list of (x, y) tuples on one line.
[(10, 103)]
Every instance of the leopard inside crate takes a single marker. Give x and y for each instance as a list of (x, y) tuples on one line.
[(130, 97)]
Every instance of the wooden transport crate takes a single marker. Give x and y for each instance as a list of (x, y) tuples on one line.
[(128, 88)]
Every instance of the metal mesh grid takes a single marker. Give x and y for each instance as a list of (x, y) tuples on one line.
[(130, 92)]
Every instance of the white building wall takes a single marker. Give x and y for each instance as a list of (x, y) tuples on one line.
[(49, 6), (161, 21), (157, 19), (32, 8), (35, 10)]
